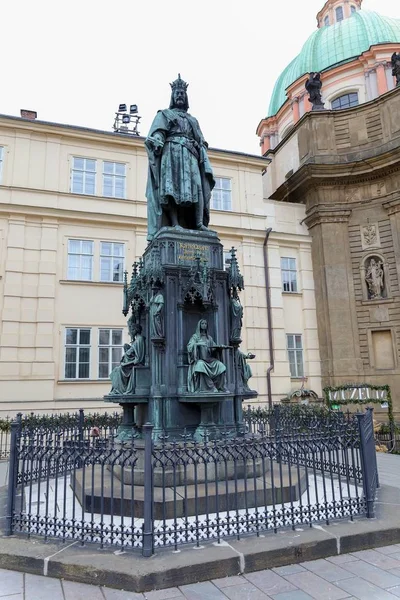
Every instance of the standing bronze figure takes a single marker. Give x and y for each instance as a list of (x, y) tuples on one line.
[(313, 87), (396, 67), (180, 178)]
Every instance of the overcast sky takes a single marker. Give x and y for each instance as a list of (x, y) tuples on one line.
[(74, 61)]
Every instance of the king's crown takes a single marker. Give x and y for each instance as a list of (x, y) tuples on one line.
[(179, 84)]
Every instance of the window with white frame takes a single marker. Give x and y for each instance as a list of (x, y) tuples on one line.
[(1, 162), (114, 180), (339, 14), (345, 101), (83, 176), (353, 9), (221, 198), (77, 353), (110, 351), (80, 260), (289, 274), (112, 261), (295, 354), (326, 21)]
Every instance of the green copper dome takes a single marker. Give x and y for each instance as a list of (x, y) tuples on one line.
[(337, 43)]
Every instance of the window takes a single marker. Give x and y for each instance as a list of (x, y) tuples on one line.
[(295, 355), (110, 351), (83, 176), (326, 21), (345, 101), (353, 9), (114, 178), (80, 260), (111, 261), (222, 194), (227, 259), (339, 14), (77, 353), (289, 274), (1, 162)]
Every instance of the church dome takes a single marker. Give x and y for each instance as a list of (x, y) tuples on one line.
[(338, 43)]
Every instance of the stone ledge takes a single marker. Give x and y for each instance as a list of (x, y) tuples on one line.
[(132, 572)]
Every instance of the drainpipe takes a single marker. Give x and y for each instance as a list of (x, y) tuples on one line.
[(269, 313)]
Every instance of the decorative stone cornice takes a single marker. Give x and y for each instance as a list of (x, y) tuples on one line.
[(321, 214), (392, 206)]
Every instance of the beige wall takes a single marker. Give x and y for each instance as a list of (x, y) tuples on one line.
[(39, 214)]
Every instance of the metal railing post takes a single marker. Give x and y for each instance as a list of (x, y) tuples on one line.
[(81, 424), (13, 473), (148, 529), (368, 459)]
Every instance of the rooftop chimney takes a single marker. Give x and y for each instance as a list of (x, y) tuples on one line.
[(28, 114)]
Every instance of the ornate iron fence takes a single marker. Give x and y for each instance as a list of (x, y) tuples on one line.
[(142, 494), (69, 426)]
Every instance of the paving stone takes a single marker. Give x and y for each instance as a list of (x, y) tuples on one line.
[(395, 591), (110, 594), (327, 570), (202, 591), (11, 583), (316, 586), (42, 588), (228, 581), (377, 559), (389, 549), (342, 559), (270, 583), (13, 597), (297, 595), (364, 589), (373, 574), (245, 591), (81, 591), (288, 570), (170, 593)]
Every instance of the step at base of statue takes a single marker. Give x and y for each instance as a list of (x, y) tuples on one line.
[(106, 494)]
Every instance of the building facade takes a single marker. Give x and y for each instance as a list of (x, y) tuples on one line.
[(73, 218), (352, 50), (342, 165)]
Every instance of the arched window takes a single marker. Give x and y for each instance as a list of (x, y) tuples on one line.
[(353, 9), (339, 14), (326, 21), (345, 101)]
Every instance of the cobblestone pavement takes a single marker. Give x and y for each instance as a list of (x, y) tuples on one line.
[(366, 575)]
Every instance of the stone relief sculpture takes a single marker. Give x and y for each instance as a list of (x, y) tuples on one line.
[(122, 381), (374, 277), (396, 67), (180, 177), (156, 313), (206, 372), (236, 316), (370, 236), (244, 368), (313, 86)]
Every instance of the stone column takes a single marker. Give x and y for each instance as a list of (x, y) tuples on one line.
[(381, 79), (265, 143), (335, 299), (295, 110), (393, 208)]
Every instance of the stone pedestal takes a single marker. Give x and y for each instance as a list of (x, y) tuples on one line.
[(187, 268), (176, 498)]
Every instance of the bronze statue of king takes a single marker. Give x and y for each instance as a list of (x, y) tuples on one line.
[(180, 178)]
